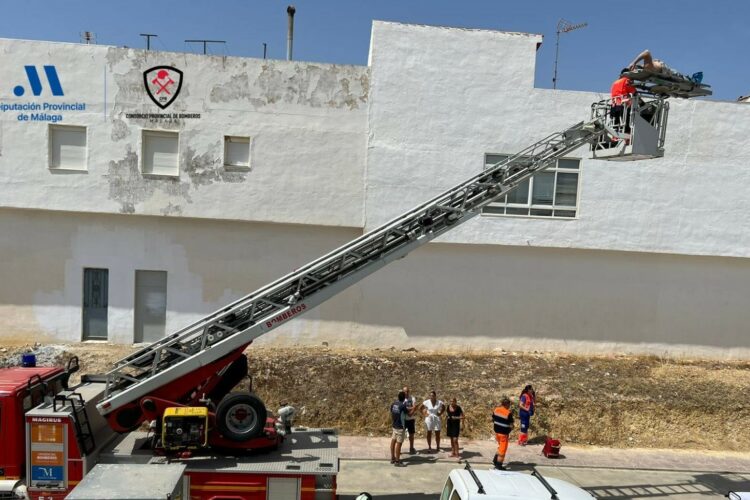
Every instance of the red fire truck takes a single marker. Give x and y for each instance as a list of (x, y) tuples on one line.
[(65, 438)]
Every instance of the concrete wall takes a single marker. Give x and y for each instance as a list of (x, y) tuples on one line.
[(443, 97), (442, 296), (308, 124), (208, 264), (522, 298)]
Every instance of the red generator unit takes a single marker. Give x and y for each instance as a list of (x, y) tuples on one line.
[(551, 448)]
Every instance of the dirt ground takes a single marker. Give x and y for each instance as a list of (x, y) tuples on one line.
[(618, 401)]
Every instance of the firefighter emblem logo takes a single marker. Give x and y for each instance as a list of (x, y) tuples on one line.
[(163, 84)]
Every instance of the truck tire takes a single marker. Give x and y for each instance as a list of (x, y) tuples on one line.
[(241, 416)]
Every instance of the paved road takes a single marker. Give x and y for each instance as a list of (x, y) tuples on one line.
[(482, 451), (423, 479)]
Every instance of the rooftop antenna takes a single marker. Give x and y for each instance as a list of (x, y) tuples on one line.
[(88, 37), (205, 42), (148, 37), (563, 26)]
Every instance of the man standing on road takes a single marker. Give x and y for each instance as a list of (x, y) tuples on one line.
[(409, 420), (399, 411), (502, 419)]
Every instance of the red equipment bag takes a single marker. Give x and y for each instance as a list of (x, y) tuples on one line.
[(551, 448)]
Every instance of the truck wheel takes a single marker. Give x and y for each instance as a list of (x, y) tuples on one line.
[(241, 416)]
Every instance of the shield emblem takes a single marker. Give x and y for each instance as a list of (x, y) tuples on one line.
[(163, 84)]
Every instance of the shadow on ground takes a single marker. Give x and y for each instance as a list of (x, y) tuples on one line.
[(708, 484)]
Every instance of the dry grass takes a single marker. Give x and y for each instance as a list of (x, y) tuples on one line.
[(606, 401)]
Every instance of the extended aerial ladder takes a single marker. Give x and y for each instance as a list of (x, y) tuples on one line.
[(199, 364)]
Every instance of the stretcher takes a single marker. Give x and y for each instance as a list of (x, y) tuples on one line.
[(671, 85)]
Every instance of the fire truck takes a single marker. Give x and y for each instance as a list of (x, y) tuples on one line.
[(173, 409)]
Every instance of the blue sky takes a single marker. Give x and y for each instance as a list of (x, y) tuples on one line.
[(709, 35)]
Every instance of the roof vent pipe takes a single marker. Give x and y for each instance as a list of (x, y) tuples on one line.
[(290, 31)]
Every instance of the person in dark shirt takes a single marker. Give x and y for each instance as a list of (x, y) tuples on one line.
[(399, 412), (453, 425)]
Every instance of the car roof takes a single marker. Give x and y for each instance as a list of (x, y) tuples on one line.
[(510, 485)]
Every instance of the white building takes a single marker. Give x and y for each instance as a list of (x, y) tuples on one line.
[(121, 220)]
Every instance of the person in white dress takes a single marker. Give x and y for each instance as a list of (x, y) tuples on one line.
[(432, 410)]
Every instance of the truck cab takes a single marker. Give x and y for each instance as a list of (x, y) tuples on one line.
[(470, 484)]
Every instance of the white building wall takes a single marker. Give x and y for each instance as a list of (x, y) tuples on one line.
[(655, 262), (443, 97), (208, 264), (308, 124)]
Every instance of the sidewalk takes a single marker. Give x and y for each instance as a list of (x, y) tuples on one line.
[(366, 448)]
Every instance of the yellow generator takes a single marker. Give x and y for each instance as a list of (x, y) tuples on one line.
[(184, 428)]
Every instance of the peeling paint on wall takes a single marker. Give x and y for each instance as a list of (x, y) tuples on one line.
[(120, 130), (128, 187), (308, 84), (171, 209), (207, 168), (237, 88), (116, 55)]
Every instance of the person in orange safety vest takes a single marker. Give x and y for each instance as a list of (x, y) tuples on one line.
[(621, 92), (622, 89), (526, 403), (502, 419)]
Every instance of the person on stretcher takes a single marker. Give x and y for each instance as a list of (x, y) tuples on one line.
[(659, 67)]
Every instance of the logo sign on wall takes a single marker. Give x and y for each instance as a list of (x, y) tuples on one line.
[(36, 83), (163, 84), (36, 106)]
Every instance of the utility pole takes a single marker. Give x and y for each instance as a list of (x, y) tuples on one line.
[(563, 26), (148, 37), (205, 42)]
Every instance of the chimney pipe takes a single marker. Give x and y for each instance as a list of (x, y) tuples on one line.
[(290, 31)]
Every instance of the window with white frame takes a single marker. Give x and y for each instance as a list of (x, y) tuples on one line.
[(236, 152), (160, 153), (551, 193), (67, 147)]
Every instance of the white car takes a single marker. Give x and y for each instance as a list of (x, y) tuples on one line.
[(470, 484)]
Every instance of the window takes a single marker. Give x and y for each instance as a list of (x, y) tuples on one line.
[(552, 193), (446, 494), (67, 147), (237, 152), (160, 153)]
